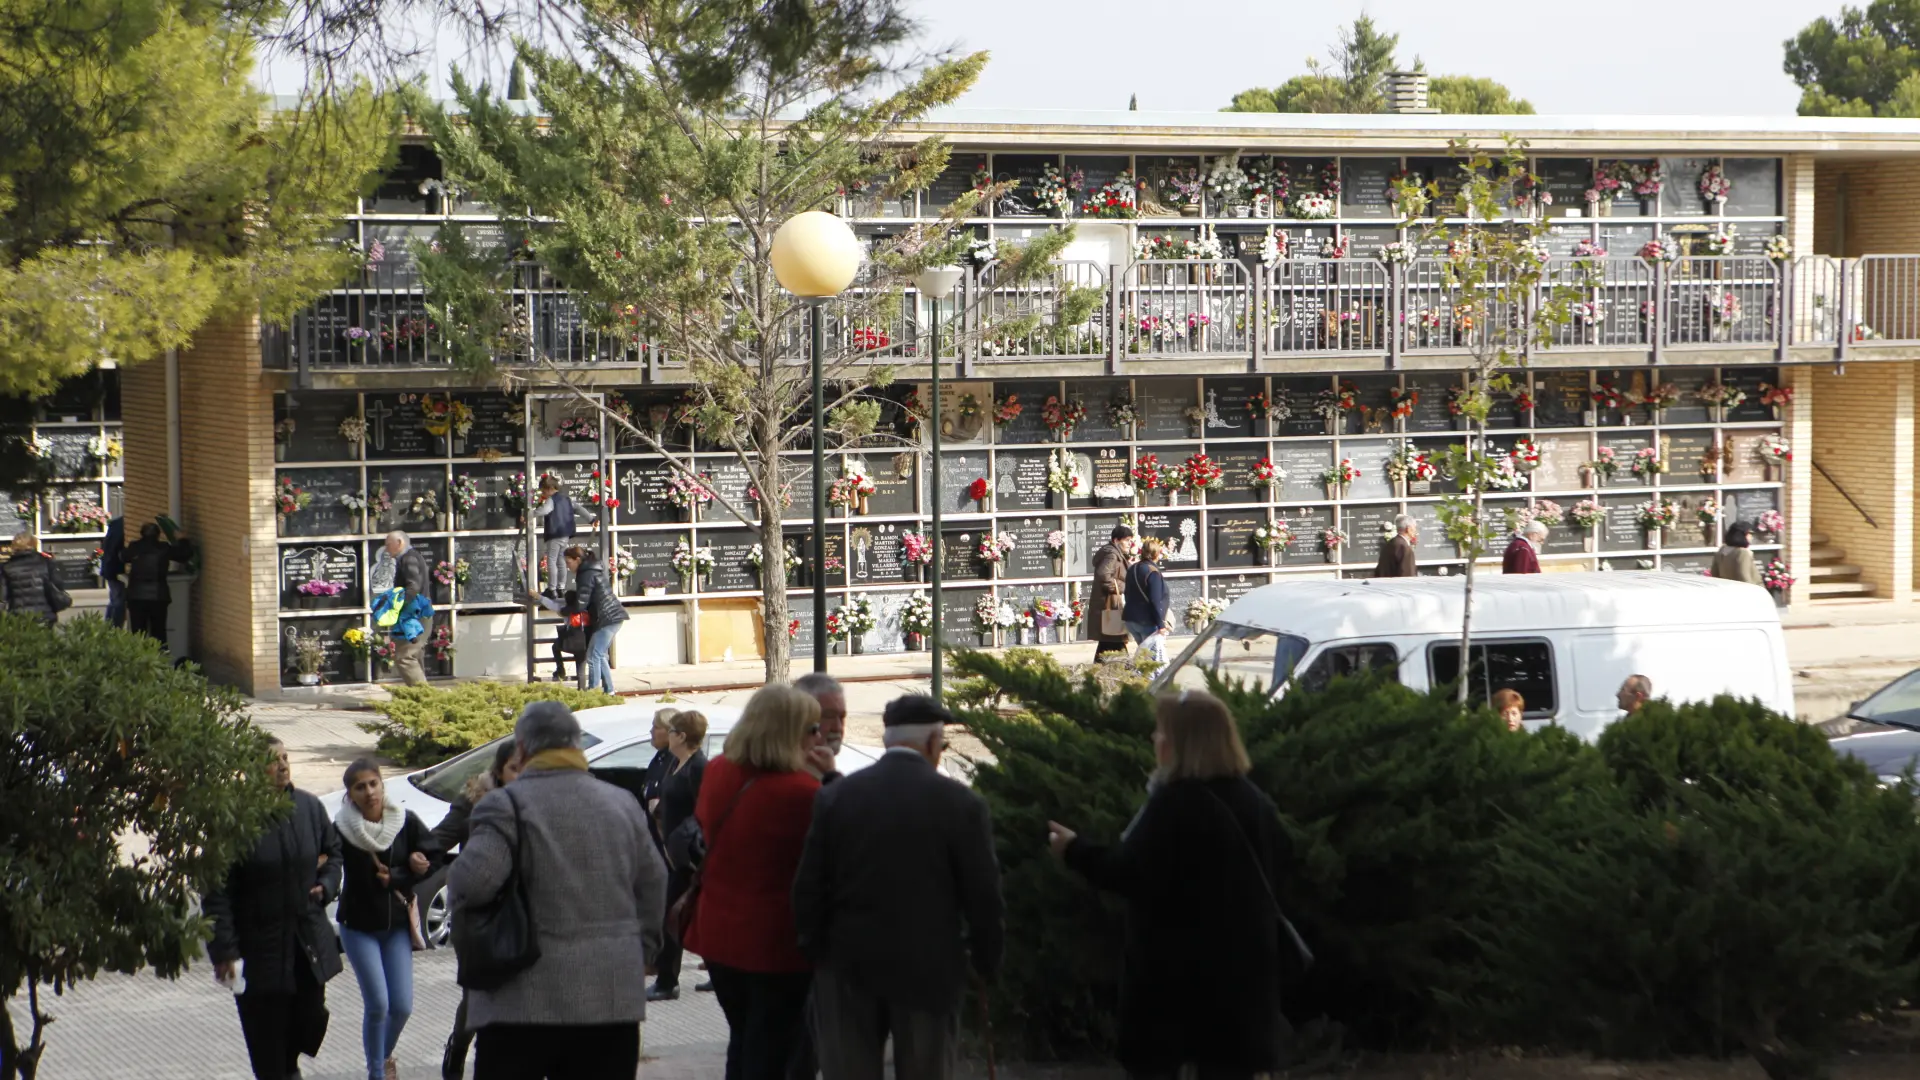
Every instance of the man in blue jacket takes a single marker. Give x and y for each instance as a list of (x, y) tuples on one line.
[(111, 568), (416, 612)]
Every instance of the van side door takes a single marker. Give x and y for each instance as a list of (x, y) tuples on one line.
[(1523, 665)]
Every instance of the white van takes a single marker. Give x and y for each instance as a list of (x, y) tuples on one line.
[(1563, 641)]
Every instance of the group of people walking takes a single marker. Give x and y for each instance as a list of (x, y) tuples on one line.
[(136, 575), (1131, 594), (835, 912)]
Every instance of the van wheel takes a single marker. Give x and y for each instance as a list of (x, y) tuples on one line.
[(436, 918)]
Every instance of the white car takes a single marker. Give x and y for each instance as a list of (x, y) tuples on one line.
[(613, 736)]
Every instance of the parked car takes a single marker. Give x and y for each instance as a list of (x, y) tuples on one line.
[(1894, 707), (1564, 641), (613, 736)]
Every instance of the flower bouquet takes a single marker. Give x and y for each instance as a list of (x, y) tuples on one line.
[(1063, 475), (690, 562), (916, 620), (918, 548), (858, 618), (1400, 252), (290, 498), (1708, 514), (357, 642), (1007, 409), (576, 431), (1715, 187), (1777, 579), (1312, 206), (1586, 514), (1331, 541), (1203, 610), (353, 430), (851, 491), (1339, 477), (1778, 248), (1404, 399), (1113, 199), (994, 547), (1647, 464), (1264, 475), (464, 494), (1547, 512), (1199, 474), (1776, 397), (1526, 455), (1720, 397), (986, 617), (1406, 466), (104, 449), (1057, 547), (1604, 466), (1146, 474), (1663, 250), (1272, 539), (1121, 413), (689, 493), (978, 491), (1771, 524), (1656, 517), (1062, 417)]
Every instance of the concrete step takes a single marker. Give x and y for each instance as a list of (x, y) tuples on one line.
[(1818, 539), (1826, 554), (1833, 570), (1832, 589)]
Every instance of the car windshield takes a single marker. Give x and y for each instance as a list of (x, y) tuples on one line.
[(447, 781), (1896, 704), (1231, 650)]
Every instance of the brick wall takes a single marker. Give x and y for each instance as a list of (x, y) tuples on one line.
[(1882, 208), (1801, 514), (226, 465), (1862, 433), (143, 409), (1801, 192)]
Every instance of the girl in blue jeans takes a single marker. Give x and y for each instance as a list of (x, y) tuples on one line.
[(595, 597), (387, 852)]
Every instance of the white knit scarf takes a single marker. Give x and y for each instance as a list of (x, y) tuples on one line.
[(364, 834)]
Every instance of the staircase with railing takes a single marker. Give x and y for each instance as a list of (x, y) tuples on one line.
[(1829, 575)]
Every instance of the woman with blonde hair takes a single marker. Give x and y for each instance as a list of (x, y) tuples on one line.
[(1198, 866), (755, 806), (1145, 612), (26, 582)]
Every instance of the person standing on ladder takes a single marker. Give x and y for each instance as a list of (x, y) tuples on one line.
[(558, 527)]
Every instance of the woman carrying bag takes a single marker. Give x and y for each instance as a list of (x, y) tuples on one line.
[(387, 851), (684, 844), (1146, 609)]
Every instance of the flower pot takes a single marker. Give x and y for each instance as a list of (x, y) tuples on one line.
[(279, 452), (1058, 500), (1653, 539), (579, 447), (979, 506), (854, 645), (1059, 566), (1333, 425), (309, 678), (861, 506), (1173, 496), (1243, 211), (1779, 597), (653, 590), (1336, 491), (1775, 410), (1719, 208), (1400, 488), (1603, 208), (1717, 413), (1586, 542), (1191, 209), (1333, 556), (915, 642), (1770, 471)]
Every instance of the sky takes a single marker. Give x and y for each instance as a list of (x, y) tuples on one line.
[(1626, 56)]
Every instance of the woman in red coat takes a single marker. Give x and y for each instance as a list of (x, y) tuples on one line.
[(756, 803)]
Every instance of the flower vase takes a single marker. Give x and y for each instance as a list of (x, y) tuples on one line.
[(686, 583), (1770, 471), (1333, 555), (279, 452), (1059, 566), (1775, 410), (442, 521), (456, 445), (861, 507), (1191, 209), (1333, 425), (1653, 539), (915, 642), (979, 506), (1719, 208), (1026, 635), (309, 678), (1173, 496), (854, 645), (1586, 542), (1336, 491), (1400, 487), (1603, 208), (1057, 500), (1717, 413), (1779, 597), (1242, 211)]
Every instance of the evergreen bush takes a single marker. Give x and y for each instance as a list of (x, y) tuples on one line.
[(425, 724)]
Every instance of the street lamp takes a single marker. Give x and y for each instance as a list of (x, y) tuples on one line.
[(815, 256), (936, 284)]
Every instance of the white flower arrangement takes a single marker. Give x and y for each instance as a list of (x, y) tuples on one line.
[(1063, 474), (104, 448), (858, 613), (355, 501), (354, 430), (1400, 252), (1778, 248), (1113, 491), (1721, 241), (1005, 617), (1313, 206), (1207, 247), (690, 560), (1203, 610), (1273, 248)]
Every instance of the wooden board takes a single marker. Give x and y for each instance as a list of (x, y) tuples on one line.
[(730, 629)]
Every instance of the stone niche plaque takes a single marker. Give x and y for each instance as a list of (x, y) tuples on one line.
[(1227, 415), (1692, 457), (326, 515), (1748, 505), (1170, 456), (408, 488), (492, 512), (957, 626), (1565, 538), (1299, 394), (1430, 412), (1236, 460), (396, 429), (1020, 481), (316, 427), (1625, 445), (1029, 558), (1689, 409), (1030, 426), (1098, 530), (1182, 590), (1230, 538), (300, 564), (72, 564), (653, 558), (1303, 462), (896, 475), (957, 474), (1110, 468), (1368, 528), (493, 569), (1370, 457), (1231, 587), (959, 560), (498, 424), (340, 665), (1435, 449), (1181, 531), (1750, 379), (1680, 193), (1162, 405), (966, 411), (1098, 396), (1561, 399), (1561, 457), (1620, 530), (642, 484), (1307, 523), (879, 556), (732, 571)]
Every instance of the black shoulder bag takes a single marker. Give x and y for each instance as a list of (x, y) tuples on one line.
[(496, 940), (1286, 925)]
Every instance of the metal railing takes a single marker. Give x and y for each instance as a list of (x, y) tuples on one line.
[(1163, 310)]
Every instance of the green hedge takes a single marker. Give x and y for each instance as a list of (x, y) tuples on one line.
[(425, 724), (1709, 878)]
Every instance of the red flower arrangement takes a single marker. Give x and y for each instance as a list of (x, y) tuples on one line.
[(1522, 401), (1201, 474), (1775, 396), (1062, 416), (1607, 397), (1348, 397), (868, 339), (793, 629), (1403, 403), (978, 490), (1007, 409), (1263, 474), (1146, 472)]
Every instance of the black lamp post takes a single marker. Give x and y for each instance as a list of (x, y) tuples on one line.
[(936, 284), (815, 256)]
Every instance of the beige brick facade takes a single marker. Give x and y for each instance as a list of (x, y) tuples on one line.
[(226, 465), (1798, 429), (1862, 437)]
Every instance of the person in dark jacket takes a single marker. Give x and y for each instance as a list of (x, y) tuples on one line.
[(387, 852), (23, 580), (559, 523), (147, 562), (1109, 585), (896, 898), (1523, 553), (452, 832), (673, 815), (1197, 866), (111, 566), (1145, 612), (270, 928), (1397, 555), (604, 613), (410, 575)]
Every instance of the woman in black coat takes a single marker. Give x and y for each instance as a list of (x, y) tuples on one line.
[(452, 832), (679, 794), (1197, 867), (23, 580), (270, 929)]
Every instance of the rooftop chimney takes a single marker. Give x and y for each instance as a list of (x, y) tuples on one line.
[(1406, 92)]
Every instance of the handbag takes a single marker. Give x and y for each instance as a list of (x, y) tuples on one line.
[(1287, 929), (496, 941), (57, 598), (680, 915)]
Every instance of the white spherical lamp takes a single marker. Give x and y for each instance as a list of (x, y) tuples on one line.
[(815, 255)]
